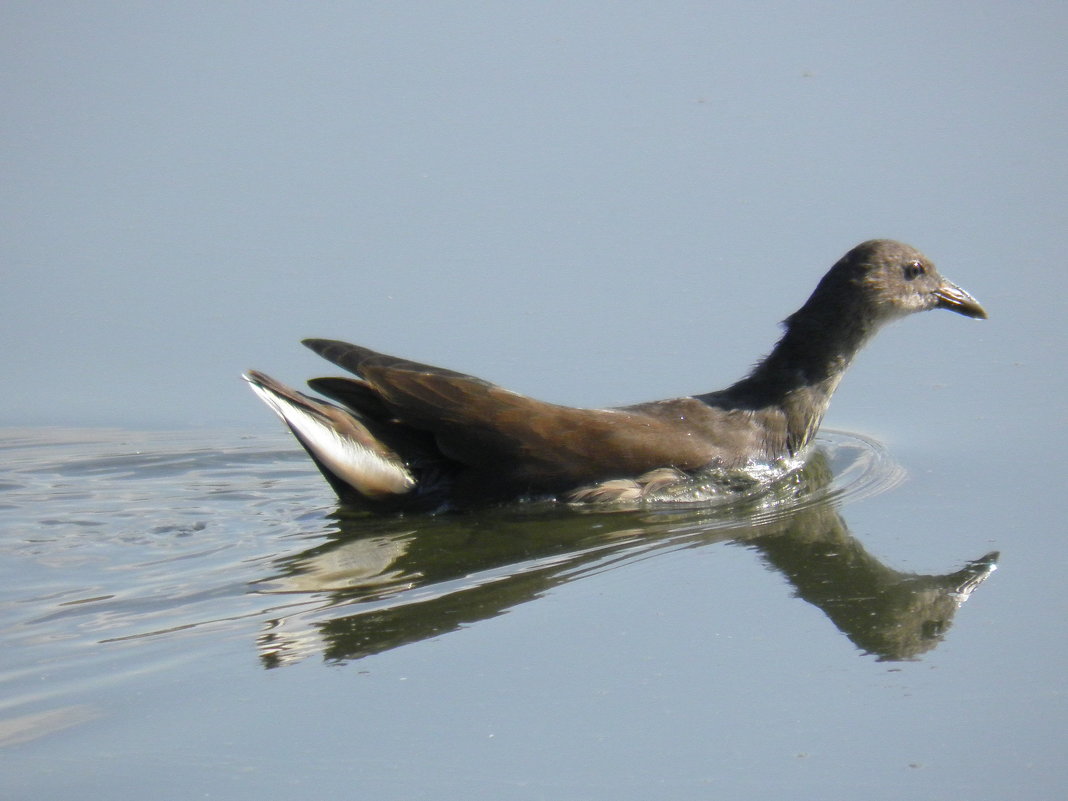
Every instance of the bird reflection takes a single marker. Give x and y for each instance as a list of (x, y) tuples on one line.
[(379, 584)]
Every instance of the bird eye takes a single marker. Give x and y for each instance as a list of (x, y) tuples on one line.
[(913, 269)]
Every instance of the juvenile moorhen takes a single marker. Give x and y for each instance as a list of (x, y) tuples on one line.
[(409, 436)]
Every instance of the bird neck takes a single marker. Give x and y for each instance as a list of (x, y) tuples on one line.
[(796, 380), (812, 354)]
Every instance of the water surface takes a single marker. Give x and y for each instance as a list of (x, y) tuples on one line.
[(157, 584)]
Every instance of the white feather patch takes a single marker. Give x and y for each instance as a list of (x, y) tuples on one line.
[(367, 471)]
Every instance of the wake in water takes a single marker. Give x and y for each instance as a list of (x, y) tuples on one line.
[(128, 537)]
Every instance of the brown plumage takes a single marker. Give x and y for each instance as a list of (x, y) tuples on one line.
[(413, 436)]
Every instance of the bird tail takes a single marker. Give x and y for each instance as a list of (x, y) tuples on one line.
[(358, 465)]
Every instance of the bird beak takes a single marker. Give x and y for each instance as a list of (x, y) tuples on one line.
[(952, 297)]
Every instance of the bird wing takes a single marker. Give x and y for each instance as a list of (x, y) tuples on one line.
[(484, 426)]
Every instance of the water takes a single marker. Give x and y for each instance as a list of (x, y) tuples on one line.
[(191, 613), (595, 205)]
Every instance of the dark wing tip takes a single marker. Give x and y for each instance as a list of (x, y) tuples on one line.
[(321, 345)]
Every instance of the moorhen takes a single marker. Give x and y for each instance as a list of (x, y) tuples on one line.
[(409, 436)]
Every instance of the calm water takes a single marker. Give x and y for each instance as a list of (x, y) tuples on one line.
[(190, 615), (591, 203)]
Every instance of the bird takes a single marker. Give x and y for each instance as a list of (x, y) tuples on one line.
[(408, 437)]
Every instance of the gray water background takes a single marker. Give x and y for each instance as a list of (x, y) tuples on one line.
[(592, 203)]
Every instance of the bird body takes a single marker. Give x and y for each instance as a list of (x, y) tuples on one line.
[(413, 436)]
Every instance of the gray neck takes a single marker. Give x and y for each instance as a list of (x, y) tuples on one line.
[(796, 380)]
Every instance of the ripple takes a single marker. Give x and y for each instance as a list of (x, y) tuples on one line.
[(129, 536), (862, 467), (842, 467)]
